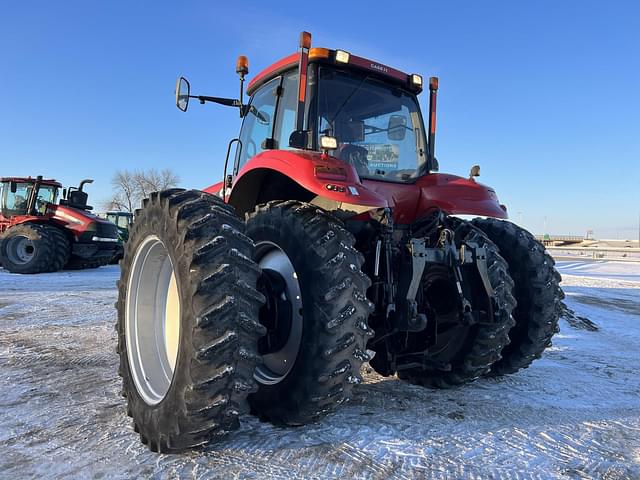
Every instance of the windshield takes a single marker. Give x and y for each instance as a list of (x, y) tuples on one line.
[(378, 126), (15, 203), (121, 220), (46, 194)]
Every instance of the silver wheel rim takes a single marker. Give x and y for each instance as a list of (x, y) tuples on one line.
[(277, 365), (20, 250), (152, 320)]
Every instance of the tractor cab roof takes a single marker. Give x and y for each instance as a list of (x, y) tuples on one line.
[(49, 181), (340, 58)]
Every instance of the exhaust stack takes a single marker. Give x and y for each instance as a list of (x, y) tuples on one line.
[(83, 183), (298, 138), (433, 93)]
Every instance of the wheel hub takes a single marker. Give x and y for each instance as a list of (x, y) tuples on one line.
[(152, 320), (20, 250), (281, 315)]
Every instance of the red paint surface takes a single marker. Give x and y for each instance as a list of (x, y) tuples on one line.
[(409, 201), (75, 220), (450, 193), (378, 67), (270, 71), (300, 166), (360, 62)]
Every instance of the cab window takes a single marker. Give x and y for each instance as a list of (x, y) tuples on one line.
[(286, 120), (257, 128), (16, 203)]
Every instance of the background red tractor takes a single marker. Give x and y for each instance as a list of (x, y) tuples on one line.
[(331, 241), (38, 234)]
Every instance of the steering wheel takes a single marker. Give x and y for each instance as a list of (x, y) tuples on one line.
[(356, 156)]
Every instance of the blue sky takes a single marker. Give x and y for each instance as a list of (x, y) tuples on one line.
[(544, 95)]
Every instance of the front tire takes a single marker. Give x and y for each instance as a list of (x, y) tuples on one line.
[(537, 291), (187, 329), (316, 312)]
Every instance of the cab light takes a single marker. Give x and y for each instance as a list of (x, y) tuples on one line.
[(319, 53), (342, 56), (416, 80), (328, 143), (242, 65)]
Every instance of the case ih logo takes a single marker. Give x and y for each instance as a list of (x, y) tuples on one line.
[(379, 67)]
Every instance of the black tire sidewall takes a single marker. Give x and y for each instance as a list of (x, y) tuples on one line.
[(313, 239), (293, 388), (40, 238), (154, 417)]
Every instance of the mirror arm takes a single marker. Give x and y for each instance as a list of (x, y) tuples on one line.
[(230, 102)]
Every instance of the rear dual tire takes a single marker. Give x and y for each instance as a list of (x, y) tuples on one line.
[(187, 332), (314, 370), (537, 291), (468, 352), (188, 311)]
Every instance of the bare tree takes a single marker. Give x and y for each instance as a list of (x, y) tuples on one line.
[(154, 181), (130, 187)]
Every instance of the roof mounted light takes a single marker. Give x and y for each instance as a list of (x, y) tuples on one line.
[(416, 80), (342, 56), (242, 65)]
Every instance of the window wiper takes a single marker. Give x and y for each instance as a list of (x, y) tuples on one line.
[(348, 98)]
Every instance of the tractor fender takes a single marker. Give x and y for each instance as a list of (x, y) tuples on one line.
[(458, 196), (300, 175), (452, 194)]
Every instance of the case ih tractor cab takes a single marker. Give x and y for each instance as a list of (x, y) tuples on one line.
[(330, 242), (37, 234)]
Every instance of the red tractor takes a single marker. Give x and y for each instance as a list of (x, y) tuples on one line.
[(330, 242), (38, 234)]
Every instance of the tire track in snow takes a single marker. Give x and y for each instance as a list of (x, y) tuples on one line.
[(573, 414)]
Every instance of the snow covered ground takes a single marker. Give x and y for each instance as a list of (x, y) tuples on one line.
[(573, 414)]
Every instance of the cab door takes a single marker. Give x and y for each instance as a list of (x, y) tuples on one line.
[(256, 134)]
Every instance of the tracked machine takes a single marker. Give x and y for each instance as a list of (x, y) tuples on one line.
[(331, 241), (40, 234)]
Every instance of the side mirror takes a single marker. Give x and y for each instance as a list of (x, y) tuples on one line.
[(183, 89), (263, 117), (13, 187), (475, 172), (397, 128)]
